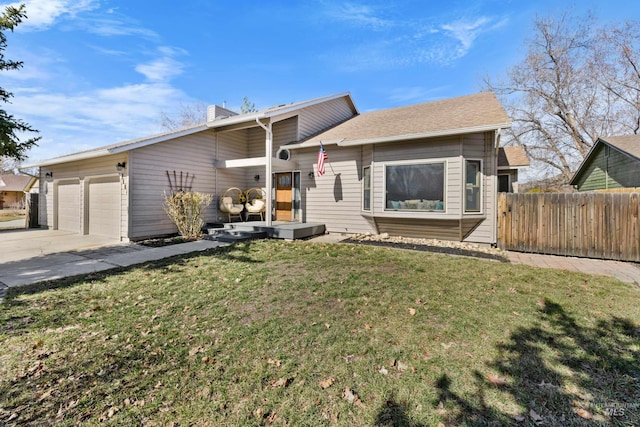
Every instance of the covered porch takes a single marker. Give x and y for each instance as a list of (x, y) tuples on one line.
[(249, 165)]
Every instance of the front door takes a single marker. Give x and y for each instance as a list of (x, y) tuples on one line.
[(283, 196)]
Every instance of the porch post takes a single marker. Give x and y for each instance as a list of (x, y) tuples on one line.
[(268, 178)]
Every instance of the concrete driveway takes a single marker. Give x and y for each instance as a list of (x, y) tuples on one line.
[(23, 244)]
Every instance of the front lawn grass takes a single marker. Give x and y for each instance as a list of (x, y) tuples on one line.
[(299, 333)]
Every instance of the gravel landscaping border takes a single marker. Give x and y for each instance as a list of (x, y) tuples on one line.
[(430, 245)]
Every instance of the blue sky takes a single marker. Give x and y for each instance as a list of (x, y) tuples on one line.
[(101, 71)]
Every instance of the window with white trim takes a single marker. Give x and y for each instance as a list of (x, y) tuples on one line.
[(415, 186), (473, 186), (366, 188)]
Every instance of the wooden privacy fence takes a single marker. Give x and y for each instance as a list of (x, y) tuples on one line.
[(593, 225)]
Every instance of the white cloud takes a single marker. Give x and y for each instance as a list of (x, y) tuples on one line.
[(163, 68), (359, 14), (465, 31), (402, 95), (409, 43), (41, 14), (75, 122), (115, 25)]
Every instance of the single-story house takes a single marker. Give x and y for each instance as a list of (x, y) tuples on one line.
[(510, 161), (613, 162), (12, 190), (425, 170)]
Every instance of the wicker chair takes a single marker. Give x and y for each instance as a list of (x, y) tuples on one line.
[(256, 203), (230, 203)]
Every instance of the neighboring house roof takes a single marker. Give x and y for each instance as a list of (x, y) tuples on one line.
[(154, 139), (11, 182), (627, 144), (512, 157), (472, 113)]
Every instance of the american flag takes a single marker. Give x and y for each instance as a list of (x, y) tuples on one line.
[(322, 157)]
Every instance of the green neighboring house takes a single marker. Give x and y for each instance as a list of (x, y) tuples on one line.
[(613, 162)]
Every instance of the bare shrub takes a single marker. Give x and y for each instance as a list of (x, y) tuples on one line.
[(185, 209)]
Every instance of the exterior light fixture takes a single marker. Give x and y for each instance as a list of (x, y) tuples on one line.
[(48, 175), (120, 166), (310, 175), (256, 178)]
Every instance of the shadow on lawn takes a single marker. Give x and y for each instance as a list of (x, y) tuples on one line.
[(560, 372)]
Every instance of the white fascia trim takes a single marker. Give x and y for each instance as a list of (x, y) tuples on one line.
[(118, 148), (448, 132), (316, 143)]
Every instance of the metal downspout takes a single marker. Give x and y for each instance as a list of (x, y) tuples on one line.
[(268, 178)]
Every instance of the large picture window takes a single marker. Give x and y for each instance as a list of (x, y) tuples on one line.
[(415, 187)]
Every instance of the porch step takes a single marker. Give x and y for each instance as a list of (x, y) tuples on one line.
[(232, 236), (287, 231)]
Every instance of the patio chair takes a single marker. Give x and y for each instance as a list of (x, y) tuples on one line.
[(230, 203), (255, 204)]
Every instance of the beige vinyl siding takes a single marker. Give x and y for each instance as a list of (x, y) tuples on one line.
[(284, 132), (322, 116), (83, 171), (419, 228), (193, 154), (335, 198), (480, 146)]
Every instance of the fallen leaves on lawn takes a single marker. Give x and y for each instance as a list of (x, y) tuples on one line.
[(109, 413), (326, 383), (196, 350), (412, 311), (280, 382), (401, 366), (352, 398), (535, 416), (584, 413), (383, 371), (274, 362), (496, 380)]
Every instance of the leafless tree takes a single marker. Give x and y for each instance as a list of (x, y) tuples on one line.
[(8, 165), (186, 115), (558, 97), (617, 67)]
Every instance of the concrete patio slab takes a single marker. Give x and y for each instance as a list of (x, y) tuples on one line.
[(31, 243)]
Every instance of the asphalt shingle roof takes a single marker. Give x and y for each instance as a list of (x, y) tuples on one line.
[(481, 109), (630, 144), (512, 157)]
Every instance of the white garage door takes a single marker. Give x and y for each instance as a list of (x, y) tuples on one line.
[(104, 207), (69, 206)]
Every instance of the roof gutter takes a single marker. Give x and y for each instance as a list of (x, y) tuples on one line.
[(408, 137)]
